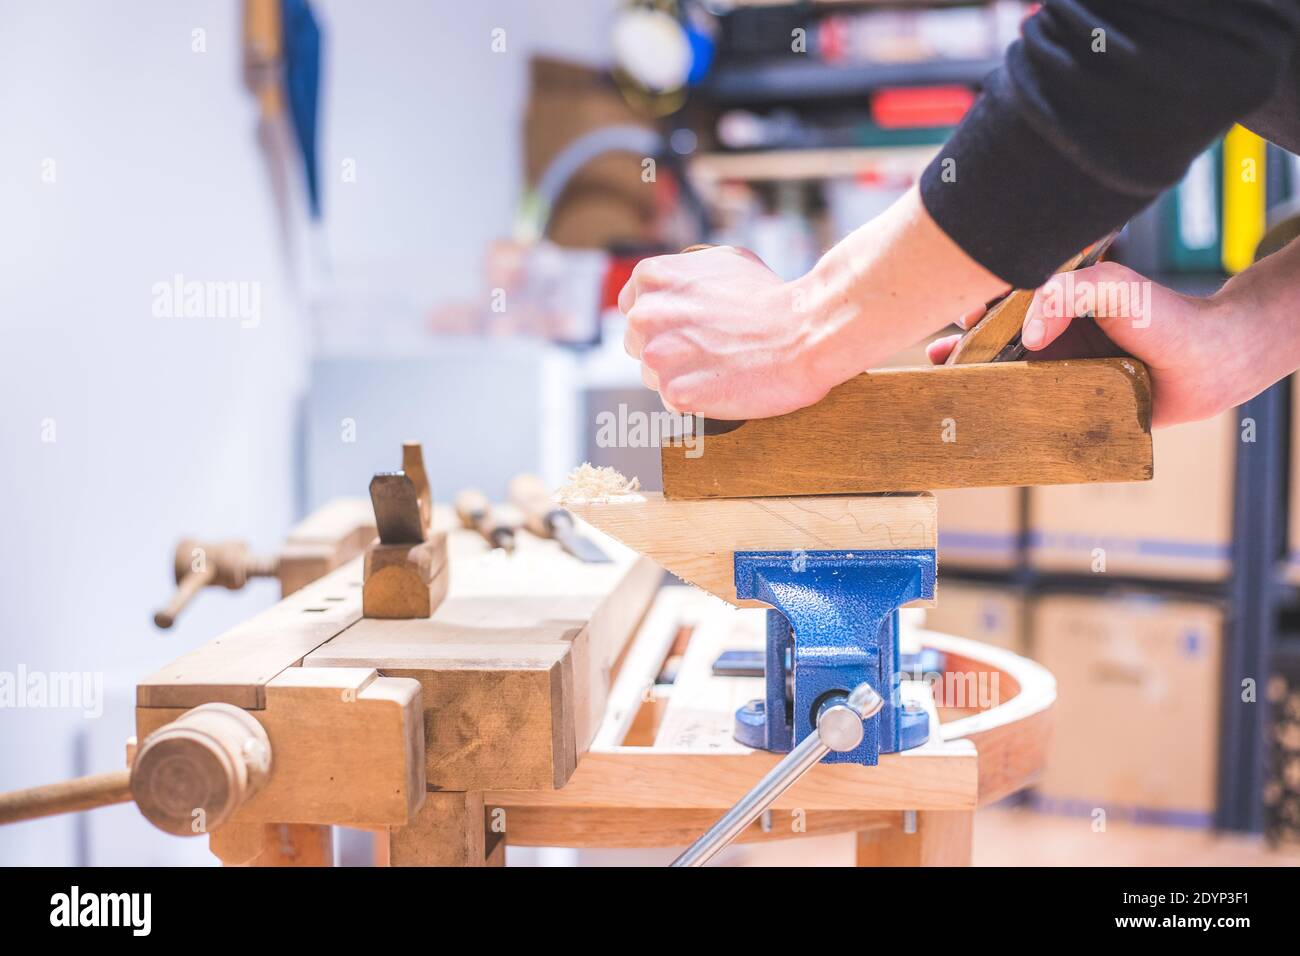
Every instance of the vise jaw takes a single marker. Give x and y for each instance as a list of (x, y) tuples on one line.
[(834, 626)]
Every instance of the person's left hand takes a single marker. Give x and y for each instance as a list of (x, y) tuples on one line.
[(719, 334), (1201, 353)]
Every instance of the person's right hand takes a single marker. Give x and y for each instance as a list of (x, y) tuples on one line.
[(1200, 357)]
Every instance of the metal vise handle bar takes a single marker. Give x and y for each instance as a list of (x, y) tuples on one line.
[(839, 728)]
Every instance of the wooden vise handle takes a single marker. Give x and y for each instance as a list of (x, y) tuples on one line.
[(477, 514), (188, 776), (66, 796)]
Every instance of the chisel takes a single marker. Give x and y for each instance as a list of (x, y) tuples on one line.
[(476, 514), (547, 520)]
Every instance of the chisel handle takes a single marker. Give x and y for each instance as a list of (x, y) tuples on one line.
[(534, 502), (475, 512), (472, 507)]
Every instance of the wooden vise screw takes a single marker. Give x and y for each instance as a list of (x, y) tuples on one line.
[(187, 778), (226, 564)]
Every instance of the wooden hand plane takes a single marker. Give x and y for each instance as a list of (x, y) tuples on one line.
[(982, 419)]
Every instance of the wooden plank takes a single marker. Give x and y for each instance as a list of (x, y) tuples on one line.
[(515, 663), (346, 748), (330, 536), (601, 827), (697, 540), (449, 830), (274, 844), (1006, 423), (942, 838), (345, 521), (944, 777), (235, 667)]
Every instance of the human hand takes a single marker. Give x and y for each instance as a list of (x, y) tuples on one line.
[(719, 334), (1199, 356)]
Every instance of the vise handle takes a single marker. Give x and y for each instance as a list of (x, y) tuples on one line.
[(839, 728)]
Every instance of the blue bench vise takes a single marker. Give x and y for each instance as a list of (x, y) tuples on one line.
[(833, 626)]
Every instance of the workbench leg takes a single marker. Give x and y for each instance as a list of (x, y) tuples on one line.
[(273, 844), (449, 830), (942, 838)]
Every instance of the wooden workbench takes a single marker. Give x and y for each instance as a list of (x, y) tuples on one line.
[(533, 709)]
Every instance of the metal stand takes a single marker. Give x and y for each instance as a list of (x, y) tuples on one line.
[(1257, 543)]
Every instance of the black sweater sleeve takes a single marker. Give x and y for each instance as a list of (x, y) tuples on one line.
[(1099, 106)]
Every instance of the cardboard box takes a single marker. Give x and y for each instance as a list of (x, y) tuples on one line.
[(1136, 727), (979, 527), (995, 615), (1178, 525)]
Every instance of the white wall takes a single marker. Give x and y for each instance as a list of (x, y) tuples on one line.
[(164, 426), (161, 425), (433, 119)]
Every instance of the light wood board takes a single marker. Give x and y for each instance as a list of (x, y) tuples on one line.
[(331, 535), (697, 540), (235, 667)]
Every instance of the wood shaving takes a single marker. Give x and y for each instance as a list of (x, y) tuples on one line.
[(589, 484)]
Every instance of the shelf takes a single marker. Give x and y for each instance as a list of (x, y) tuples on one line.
[(809, 164), (1037, 583), (796, 78), (865, 4)]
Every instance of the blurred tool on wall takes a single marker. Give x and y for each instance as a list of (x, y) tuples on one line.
[(282, 61)]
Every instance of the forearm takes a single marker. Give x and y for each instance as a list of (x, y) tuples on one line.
[(1099, 107), (886, 286), (1258, 309)]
